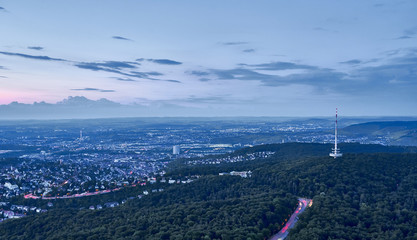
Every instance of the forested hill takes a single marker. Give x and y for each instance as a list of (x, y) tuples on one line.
[(358, 196), (294, 150)]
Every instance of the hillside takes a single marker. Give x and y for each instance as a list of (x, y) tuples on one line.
[(398, 132), (359, 196)]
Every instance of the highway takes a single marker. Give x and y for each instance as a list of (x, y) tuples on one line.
[(303, 203)]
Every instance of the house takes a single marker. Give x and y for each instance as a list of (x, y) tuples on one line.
[(8, 214), (111, 204)]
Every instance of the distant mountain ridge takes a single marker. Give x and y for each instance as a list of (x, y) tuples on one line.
[(79, 107), (399, 132)]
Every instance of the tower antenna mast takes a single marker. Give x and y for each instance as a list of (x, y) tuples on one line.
[(335, 151)]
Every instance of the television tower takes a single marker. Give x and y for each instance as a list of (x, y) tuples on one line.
[(335, 151)]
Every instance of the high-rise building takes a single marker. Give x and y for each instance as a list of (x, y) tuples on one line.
[(176, 150)]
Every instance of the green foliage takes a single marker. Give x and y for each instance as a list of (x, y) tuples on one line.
[(365, 196), (358, 196), (213, 207)]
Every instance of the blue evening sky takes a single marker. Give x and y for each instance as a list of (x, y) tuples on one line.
[(229, 57)]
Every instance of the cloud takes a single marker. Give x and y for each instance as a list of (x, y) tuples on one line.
[(174, 81), (279, 66), (125, 79), (250, 50), (2, 9), (316, 77), (139, 75), (352, 62), (117, 68), (204, 79), (107, 91), (93, 89), (409, 33), (199, 73), (165, 61), (211, 99), (160, 61), (3, 77), (404, 37), (35, 48), (45, 58), (400, 70), (107, 65), (154, 73), (121, 38), (234, 43), (395, 77)]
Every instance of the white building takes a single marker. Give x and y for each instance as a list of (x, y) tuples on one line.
[(176, 150)]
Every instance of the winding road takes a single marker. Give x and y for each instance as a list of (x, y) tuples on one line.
[(303, 203)]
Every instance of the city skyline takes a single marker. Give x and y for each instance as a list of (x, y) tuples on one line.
[(234, 58)]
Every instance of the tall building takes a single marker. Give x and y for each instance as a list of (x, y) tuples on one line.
[(335, 151), (176, 150)]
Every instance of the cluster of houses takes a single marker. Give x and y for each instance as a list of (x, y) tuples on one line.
[(231, 159), (16, 211), (244, 174)]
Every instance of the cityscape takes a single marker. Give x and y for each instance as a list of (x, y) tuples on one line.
[(208, 120), (73, 159)]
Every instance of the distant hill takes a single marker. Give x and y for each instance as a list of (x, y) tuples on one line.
[(398, 132)]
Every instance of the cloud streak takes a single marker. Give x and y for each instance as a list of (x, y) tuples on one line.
[(395, 77), (273, 66), (199, 73), (107, 66), (250, 50), (408, 33), (44, 58), (234, 43), (35, 48), (352, 62), (124, 79), (121, 38), (92, 89)]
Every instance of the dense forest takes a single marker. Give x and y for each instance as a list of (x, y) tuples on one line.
[(213, 207), (370, 193)]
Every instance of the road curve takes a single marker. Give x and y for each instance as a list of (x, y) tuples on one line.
[(303, 203)]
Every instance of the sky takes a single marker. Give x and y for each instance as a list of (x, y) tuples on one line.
[(234, 57)]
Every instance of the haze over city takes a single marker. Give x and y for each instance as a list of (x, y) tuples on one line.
[(214, 58)]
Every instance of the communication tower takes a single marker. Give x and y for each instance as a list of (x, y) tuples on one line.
[(335, 151)]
